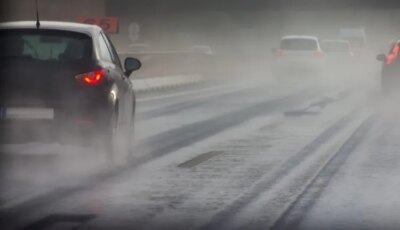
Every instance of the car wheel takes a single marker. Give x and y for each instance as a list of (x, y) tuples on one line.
[(130, 139), (120, 144), (109, 138)]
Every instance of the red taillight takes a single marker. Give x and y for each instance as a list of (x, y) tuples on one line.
[(317, 54), (394, 55), (280, 53), (92, 78)]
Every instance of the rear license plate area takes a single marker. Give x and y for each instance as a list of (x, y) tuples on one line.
[(10, 113)]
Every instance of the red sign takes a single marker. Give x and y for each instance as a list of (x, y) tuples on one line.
[(108, 24)]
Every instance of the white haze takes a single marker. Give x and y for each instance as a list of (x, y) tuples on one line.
[(245, 57)]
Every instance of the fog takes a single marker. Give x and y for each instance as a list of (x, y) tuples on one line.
[(229, 44)]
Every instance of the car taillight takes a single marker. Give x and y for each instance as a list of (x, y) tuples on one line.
[(317, 54), (394, 55), (280, 53), (92, 78)]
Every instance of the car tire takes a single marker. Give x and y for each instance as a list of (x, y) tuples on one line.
[(109, 137), (131, 139), (119, 140)]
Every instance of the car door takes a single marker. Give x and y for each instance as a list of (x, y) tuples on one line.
[(126, 96)]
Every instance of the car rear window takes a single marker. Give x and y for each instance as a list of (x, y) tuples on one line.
[(298, 44), (47, 45), (335, 46)]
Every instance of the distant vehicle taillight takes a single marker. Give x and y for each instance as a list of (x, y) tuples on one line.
[(317, 54), (92, 78), (394, 55), (280, 53)]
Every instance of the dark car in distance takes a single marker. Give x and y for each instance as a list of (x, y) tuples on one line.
[(390, 68), (64, 78)]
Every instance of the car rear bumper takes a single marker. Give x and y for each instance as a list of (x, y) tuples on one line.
[(63, 122), (27, 130), (299, 67)]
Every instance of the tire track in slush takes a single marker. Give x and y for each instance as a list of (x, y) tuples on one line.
[(195, 103), (267, 182), (295, 213), (160, 145)]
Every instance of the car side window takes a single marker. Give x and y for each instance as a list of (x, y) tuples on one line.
[(104, 51), (111, 48)]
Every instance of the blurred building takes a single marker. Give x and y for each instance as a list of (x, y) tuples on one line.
[(59, 10)]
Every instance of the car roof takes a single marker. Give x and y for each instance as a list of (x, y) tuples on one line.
[(53, 25), (300, 37)]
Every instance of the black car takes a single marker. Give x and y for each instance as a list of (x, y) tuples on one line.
[(64, 78), (390, 67)]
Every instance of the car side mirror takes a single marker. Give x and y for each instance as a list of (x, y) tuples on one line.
[(131, 64), (381, 57)]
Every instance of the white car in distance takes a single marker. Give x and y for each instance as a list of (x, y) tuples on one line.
[(299, 58)]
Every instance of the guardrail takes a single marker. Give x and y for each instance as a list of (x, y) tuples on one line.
[(157, 83)]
